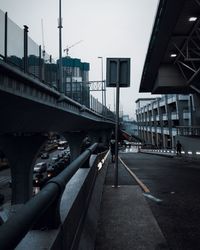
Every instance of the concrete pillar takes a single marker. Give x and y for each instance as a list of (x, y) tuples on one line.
[(195, 102), (157, 139), (95, 135), (75, 140), (106, 135), (21, 151)]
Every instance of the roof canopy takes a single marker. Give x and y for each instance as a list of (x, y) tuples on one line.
[(172, 63)]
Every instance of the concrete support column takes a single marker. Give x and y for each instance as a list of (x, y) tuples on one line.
[(143, 135), (75, 140), (195, 103), (173, 142), (149, 137), (157, 139), (164, 140), (21, 151), (95, 135), (106, 135)]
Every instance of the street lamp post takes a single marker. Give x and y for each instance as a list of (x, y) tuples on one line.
[(102, 86), (60, 87)]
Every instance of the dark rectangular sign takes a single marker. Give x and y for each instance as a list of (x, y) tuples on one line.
[(118, 70)]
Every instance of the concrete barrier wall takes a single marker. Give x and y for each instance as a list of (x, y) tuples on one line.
[(73, 210)]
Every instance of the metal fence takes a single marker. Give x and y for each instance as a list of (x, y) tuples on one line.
[(20, 51), (188, 130)]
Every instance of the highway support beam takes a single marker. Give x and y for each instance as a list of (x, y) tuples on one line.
[(21, 151), (75, 140)]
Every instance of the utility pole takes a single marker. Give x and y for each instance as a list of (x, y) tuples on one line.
[(117, 128), (60, 85), (102, 87)]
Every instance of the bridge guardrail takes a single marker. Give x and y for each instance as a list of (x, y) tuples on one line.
[(188, 130), (22, 53), (43, 209), (54, 95), (187, 154)]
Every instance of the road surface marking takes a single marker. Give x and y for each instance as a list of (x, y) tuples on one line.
[(151, 197), (141, 184)]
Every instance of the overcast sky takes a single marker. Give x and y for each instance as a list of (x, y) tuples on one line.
[(107, 28)]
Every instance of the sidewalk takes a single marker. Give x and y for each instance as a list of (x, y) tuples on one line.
[(126, 221)]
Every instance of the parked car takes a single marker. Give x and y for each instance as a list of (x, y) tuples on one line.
[(45, 155), (62, 145), (39, 179), (40, 167), (55, 167), (126, 143), (55, 159)]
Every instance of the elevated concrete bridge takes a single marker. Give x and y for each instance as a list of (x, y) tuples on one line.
[(172, 64), (29, 106), (29, 111)]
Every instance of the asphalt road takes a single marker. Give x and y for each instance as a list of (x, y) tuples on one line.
[(174, 196)]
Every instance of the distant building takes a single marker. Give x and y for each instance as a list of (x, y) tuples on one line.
[(129, 125), (75, 79), (75, 75), (125, 118), (158, 118)]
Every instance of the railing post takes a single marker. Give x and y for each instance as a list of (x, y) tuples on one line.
[(40, 63), (6, 38), (25, 48)]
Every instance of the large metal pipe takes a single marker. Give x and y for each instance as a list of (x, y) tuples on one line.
[(17, 226)]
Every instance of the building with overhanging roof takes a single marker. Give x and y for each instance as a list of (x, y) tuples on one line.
[(172, 64), (158, 119)]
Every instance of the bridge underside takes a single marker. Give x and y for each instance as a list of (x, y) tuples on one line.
[(24, 125), (28, 116), (173, 59)]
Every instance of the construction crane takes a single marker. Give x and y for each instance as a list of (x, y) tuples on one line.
[(69, 47)]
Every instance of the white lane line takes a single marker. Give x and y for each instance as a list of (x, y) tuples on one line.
[(153, 198)]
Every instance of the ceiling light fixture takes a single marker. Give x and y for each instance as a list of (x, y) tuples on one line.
[(173, 55), (192, 19)]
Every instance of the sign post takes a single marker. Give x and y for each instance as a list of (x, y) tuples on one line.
[(117, 75)]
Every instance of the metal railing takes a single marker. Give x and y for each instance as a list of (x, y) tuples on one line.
[(21, 52), (43, 209), (186, 154), (188, 130)]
